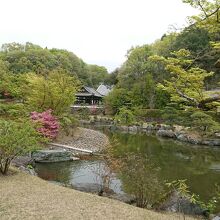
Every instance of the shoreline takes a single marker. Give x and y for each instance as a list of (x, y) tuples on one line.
[(175, 132)]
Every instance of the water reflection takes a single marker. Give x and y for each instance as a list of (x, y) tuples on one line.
[(176, 160)]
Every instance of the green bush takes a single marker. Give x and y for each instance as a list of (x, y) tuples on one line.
[(16, 139), (12, 110), (204, 122), (148, 114), (125, 116)]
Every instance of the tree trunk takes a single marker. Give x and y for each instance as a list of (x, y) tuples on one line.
[(4, 166)]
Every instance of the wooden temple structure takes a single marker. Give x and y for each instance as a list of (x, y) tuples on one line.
[(88, 96)]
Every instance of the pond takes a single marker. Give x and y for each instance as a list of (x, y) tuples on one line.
[(198, 164)]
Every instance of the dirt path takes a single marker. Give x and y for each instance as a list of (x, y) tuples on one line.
[(27, 197)]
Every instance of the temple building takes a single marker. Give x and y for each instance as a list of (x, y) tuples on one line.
[(88, 96)]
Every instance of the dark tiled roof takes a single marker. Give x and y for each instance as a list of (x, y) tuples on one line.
[(91, 92)]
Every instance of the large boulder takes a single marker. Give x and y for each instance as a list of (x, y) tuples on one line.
[(166, 133), (50, 156), (211, 142), (23, 161), (178, 203), (133, 129), (182, 137)]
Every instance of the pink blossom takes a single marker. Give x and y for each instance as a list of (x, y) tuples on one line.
[(49, 125)]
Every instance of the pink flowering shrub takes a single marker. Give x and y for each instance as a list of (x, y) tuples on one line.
[(49, 125)]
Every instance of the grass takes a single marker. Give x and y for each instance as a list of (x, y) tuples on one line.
[(28, 197)]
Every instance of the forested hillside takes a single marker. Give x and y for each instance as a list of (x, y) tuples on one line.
[(20, 59)]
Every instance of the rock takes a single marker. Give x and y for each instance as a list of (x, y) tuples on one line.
[(165, 127), (23, 161), (123, 128), (50, 156), (178, 203), (28, 170), (182, 137), (166, 133), (133, 129), (211, 142), (150, 127), (217, 135), (193, 140), (122, 197), (216, 218), (145, 125), (92, 188), (178, 128)]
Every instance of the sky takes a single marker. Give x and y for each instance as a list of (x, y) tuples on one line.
[(98, 31)]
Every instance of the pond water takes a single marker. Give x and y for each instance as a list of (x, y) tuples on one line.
[(198, 164)]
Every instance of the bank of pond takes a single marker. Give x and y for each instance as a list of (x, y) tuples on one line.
[(169, 160)]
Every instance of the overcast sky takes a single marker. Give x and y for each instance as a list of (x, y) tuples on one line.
[(98, 31)]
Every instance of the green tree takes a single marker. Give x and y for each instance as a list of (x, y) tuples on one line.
[(55, 91), (116, 99), (135, 67), (96, 75), (16, 139), (186, 84), (209, 14)]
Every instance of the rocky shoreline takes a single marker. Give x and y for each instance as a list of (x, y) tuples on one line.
[(176, 132), (81, 138)]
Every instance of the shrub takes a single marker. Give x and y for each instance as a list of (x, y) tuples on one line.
[(48, 124), (140, 179), (67, 121), (148, 114), (12, 110), (125, 116), (204, 122), (16, 139)]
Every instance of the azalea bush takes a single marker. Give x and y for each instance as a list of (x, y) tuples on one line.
[(48, 124)]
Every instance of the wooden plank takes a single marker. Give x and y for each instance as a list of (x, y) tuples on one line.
[(72, 148)]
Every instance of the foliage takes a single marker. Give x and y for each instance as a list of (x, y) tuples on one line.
[(135, 67), (67, 121), (83, 113), (139, 177), (148, 114), (186, 84), (204, 122), (209, 14), (12, 110), (55, 91), (125, 116), (181, 187), (48, 124), (25, 58), (96, 75), (116, 99), (16, 138)]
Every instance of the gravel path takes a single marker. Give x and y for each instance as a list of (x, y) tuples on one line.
[(25, 197), (86, 139)]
